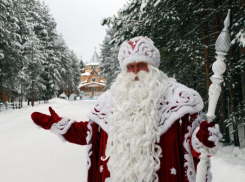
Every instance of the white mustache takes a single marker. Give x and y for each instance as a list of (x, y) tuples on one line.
[(136, 77)]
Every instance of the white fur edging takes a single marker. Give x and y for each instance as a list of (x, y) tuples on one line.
[(138, 48), (101, 111), (189, 164), (179, 101), (61, 127), (89, 145), (197, 145)]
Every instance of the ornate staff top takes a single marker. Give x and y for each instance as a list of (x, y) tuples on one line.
[(222, 47), (223, 41)]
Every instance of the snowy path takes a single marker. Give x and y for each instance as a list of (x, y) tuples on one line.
[(30, 154)]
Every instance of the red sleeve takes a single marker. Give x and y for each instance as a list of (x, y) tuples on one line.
[(77, 133)]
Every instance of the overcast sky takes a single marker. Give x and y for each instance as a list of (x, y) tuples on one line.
[(79, 21)]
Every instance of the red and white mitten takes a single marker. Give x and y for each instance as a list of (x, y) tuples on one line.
[(54, 123), (208, 135), (45, 121)]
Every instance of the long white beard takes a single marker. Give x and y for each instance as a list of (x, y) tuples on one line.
[(133, 127)]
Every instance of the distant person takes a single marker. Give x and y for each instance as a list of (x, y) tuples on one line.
[(146, 128)]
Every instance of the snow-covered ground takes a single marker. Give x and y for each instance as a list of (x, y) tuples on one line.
[(228, 165), (30, 154)]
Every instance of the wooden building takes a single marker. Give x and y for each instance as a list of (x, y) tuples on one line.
[(92, 83)]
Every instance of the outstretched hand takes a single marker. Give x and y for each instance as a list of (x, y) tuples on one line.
[(45, 121)]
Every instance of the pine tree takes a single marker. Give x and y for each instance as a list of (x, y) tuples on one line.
[(185, 33), (34, 60), (9, 46), (81, 64), (110, 67)]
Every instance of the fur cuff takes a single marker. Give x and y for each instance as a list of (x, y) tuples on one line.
[(215, 135), (61, 127)]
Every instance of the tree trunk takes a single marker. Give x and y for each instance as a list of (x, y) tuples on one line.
[(32, 93), (232, 88), (233, 105), (243, 99), (32, 82), (222, 116), (217, 18), (242, 52), (206, 51), (194, 77)]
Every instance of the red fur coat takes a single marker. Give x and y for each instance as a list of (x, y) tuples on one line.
[(179, 119)]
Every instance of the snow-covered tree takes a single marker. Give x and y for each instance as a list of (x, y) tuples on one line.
[(9, 46), (110, 67), (32, 54), (81, 64), (185, 33)]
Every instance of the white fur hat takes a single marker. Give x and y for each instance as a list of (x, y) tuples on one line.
[(136, 50)]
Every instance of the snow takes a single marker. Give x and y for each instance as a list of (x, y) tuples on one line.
[(30, 154), (93, 64), (92, 84), (63, 95), (157, 2), (143, 5), (228, 165), (72, 97), (1, 55), (85, 74), (240, 37)]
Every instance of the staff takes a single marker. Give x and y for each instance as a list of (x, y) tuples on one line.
[(222, 47)]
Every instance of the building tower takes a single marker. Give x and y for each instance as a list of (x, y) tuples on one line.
[(92, 84)]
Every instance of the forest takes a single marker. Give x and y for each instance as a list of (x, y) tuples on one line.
[(35, 62), (185, 33)]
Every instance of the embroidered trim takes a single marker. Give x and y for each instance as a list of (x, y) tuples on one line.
[(189, 164), (196, 144), (89, 144), (173, 171), (179, 101), (61, 127), (100, 113)]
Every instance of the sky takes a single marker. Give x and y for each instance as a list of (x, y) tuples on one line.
[(79, 21)]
